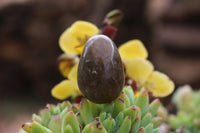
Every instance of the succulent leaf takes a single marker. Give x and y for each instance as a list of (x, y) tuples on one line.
[(131, 112), (27, 127), (85, 111), (146, 119), (119, 105), (149, 128), (71, 119), (38, 128), (142, 101), (141, 130), (125, 126), (109, 124), (67, 129), (129, 92), (55, 123), (153, 107), (45, 116), (136, 124)]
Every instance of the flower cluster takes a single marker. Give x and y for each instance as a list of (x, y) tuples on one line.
[(134, 55)]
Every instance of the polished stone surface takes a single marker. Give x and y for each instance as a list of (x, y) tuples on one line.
[(100, 71)]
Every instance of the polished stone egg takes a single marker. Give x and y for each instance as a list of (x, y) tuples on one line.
[(100, 70)]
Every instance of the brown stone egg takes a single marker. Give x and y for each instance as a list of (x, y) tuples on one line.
[(100, 70)]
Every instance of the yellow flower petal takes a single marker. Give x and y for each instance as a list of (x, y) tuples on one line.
[(73, 78), (73, 72), (68, 42), (65, 64), (77, 91), (139, 69), (76, 36), (80, 48), (131, 49), (84, 28), (159, 84), (63, 90)]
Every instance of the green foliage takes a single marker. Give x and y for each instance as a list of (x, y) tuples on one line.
[(124, 115), (188, 106)]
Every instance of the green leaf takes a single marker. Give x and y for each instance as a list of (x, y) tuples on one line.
[(149, 128), (146, 119), (131, 112), (141, 130), (153, 107), (68, 129), (119, 120), (52, 108), (156, 130), (36, 118), (129, 92), (78, 116), (65, 104), (108, 107), (125, 126), (125, 98), (94, 127), (45, 115), (75, 108), (37, 128), (85, 111), (109, 124), (65, 111), (27, 127), (70, 119), (95, 110), (87, 129), (119, 105), (22, 131), (98, 128), (102, 116), (156, 121), (55, 123), (136, 124), (142, 102)]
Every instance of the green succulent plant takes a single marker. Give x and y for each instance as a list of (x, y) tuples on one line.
[(126, 114), (187, 102)]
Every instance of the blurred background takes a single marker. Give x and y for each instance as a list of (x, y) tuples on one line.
[(29, 32)]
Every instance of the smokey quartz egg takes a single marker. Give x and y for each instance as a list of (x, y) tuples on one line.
[(100, 70)]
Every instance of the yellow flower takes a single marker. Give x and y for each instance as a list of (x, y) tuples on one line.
[(72, 41), (138, 68)]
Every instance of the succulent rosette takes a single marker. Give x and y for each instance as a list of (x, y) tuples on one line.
[(123, 115), (187, 102)]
